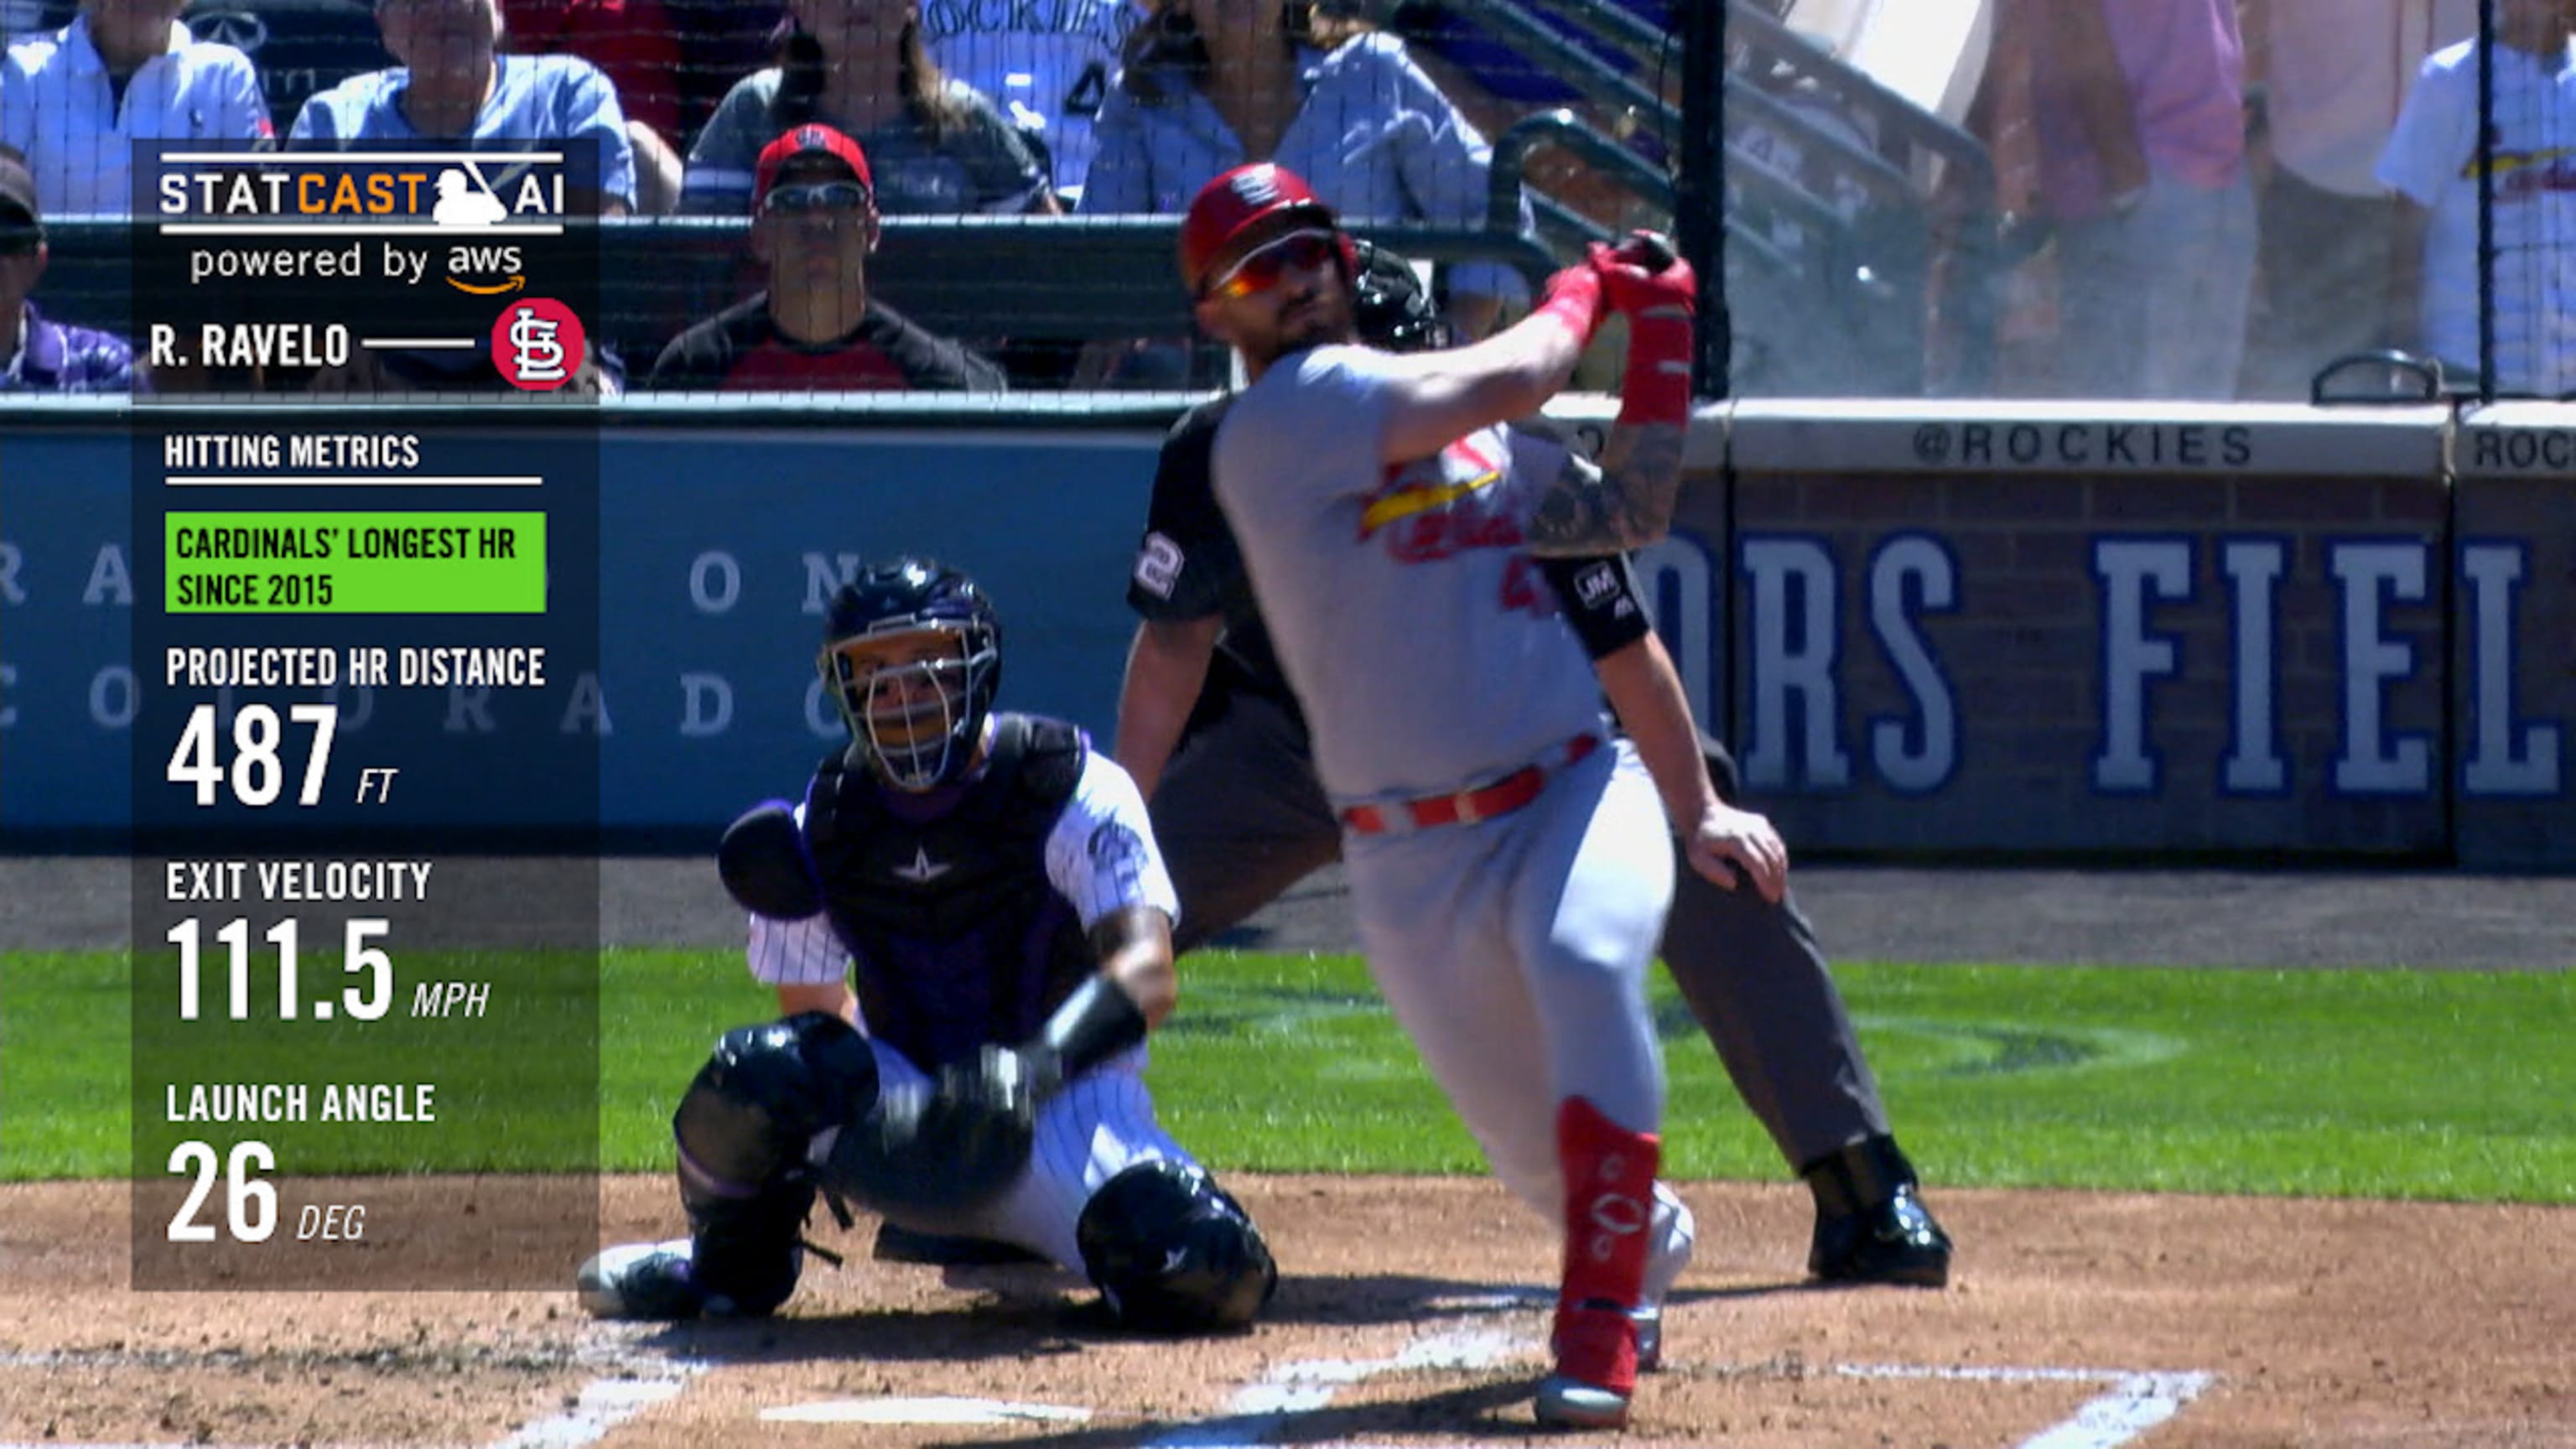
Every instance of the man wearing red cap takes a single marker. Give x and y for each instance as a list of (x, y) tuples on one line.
[(1507, 852), (815, 328)]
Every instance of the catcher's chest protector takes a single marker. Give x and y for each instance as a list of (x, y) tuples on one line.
[(960, 938)]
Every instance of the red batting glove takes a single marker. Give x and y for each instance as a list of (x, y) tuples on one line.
[(1573, 297), (1660, 305), (1634, 286)]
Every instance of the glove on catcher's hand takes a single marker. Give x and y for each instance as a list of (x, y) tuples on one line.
[(953, 1150)]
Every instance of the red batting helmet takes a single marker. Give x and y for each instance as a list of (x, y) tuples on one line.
[(1237, 201)]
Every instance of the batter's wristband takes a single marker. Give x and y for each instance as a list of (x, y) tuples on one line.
[(1574, 298), (1656, 387)]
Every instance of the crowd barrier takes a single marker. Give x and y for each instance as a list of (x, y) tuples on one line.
[(1930, 631)]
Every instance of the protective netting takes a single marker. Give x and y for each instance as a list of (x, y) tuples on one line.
[(2155, 198)]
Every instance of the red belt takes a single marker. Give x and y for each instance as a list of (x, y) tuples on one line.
[(1467, 807)]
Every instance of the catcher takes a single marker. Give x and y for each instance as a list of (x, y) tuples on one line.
[(995, 888)]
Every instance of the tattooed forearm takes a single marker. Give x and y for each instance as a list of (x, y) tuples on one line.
[(1625, 503)]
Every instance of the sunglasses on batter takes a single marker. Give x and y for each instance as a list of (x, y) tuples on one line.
[(816, 196), (1260, 269)]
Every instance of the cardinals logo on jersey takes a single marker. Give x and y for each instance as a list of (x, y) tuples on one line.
[(1442, 504)]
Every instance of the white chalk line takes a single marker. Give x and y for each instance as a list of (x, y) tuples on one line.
[(1261, 1409), (2134, 1402), (640, 1381)]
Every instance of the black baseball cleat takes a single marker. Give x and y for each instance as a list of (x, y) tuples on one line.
[(1871, 1224)]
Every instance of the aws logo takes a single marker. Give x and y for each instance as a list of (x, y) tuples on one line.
[(467, 199), (486, 271)]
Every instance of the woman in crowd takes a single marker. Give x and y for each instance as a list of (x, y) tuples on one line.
[(936, 145), (1209, 85)]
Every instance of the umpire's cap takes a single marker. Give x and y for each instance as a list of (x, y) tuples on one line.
[(1228, 208)]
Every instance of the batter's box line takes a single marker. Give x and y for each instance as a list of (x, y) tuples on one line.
[(636, 1379), (2134, 1401)]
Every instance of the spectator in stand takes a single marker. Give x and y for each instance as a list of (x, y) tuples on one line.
[(74, 102), (721, 41), (2331, 73), (634, 45), (2141, 129), (46, 356), (299, 47), (1209, 85), (1047, 67), (814, 222), (2433, 162), (455, 85), (863, 67)]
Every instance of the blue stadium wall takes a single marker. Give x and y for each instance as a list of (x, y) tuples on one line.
[(1929, 631)]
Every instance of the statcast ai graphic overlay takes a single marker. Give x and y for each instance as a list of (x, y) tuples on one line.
[(366, 784)]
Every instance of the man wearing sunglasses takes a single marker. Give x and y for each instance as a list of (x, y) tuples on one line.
[(1506, 849), (815, 327), (45, 356)]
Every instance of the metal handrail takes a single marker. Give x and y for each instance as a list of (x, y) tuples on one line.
[(1761, 33), (1596, 78), (1876, 174), (1561, 127), (1623, 26)]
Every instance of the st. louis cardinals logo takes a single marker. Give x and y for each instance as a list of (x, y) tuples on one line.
[(1443, 504), (537, 344), (1255, 185)]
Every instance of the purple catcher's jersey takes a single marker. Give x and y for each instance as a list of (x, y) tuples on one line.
[(971, 927), (1416, 628)]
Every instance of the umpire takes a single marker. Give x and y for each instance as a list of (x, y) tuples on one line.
[(1212, 735)]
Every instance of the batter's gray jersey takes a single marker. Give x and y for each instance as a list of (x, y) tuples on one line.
[(1420, 635)]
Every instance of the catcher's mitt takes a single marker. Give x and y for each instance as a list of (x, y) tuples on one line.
[(953, 1150)]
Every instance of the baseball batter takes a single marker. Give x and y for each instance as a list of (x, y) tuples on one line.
[(996, 886), (1507, 854), (1212, 734)]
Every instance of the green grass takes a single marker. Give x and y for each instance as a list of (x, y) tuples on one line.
[(2453, 1085)]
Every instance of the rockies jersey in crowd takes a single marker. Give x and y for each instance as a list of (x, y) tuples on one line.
[(1046, 63), (965, 906)]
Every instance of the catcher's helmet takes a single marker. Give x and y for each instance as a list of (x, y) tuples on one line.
[(1389, 306), (1237, 201), (912, 654)]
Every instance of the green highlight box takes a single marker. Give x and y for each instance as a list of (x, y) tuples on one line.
[(355, 563)]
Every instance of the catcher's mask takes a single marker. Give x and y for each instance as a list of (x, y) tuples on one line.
[(1389, 306), (913, 656)]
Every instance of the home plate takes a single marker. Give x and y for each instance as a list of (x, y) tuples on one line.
[(923, 1411)]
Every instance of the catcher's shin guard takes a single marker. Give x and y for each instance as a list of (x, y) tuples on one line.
[(743, 1130), (1609, 1209)]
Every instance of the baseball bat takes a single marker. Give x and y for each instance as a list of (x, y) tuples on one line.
[(1650, 250)]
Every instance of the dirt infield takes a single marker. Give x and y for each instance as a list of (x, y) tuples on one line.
[(2077, 1321), (1407, 1317)]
